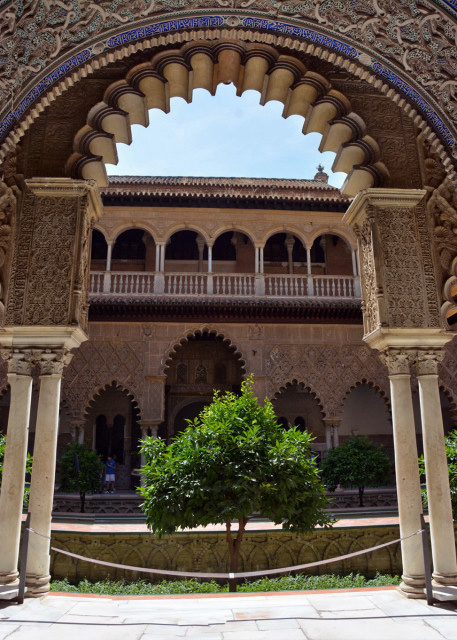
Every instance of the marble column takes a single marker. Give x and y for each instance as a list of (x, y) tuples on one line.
[(20, 365), (289, 242), (336, 434), (406, 469), (52, 363), (436, 469)]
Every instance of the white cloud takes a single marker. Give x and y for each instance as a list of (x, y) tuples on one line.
[(223, 135)]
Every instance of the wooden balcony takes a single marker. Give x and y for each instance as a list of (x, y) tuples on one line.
[(239, 285)]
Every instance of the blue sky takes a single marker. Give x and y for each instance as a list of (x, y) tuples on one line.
[(223, 135)]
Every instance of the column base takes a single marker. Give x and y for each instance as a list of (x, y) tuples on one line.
[(10, 579), (444, 579), (412, 586), (37, 586)]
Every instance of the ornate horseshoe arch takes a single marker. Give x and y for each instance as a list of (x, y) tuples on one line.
[(406, 50)]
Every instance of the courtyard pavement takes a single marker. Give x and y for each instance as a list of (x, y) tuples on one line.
[(363, 614)]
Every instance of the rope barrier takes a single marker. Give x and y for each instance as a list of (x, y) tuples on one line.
[(226, 576)]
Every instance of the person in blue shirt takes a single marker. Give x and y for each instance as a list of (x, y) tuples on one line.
[(110, 474)]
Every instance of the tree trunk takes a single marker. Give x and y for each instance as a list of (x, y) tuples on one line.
[(361, 490), (234, 548), (82, 497)]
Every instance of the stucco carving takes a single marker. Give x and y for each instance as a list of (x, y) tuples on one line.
[(329, 371), (407, 269), (50, 274), (7, 215), (368, 277), (442, 207), (98, 363)]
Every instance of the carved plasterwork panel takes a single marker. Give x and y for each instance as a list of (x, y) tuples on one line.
[(368, 278), (7, 218), (42, 269), (328, 371), (447, 370), (407, 269), (97, 364)]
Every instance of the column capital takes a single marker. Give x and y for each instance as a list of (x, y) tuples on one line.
[(153, 425), (398, 361), (427, 361), (332, 422), (52, 361), (19, 361)]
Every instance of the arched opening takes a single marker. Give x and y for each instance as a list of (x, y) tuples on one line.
[(233, 252), (186, 252), (298, 407), (203, 363), (133, 250), (331, 255), (99, 251), (284, 253), (112, 422), (366, 413)]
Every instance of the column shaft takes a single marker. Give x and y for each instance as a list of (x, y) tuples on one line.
[(438, 492), (308, 260), (12, 492), (108, 256), (42, 487), (408, 484)]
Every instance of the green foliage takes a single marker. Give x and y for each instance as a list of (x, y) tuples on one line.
[(285, 583), (355, 464), (88, 478), (451, 454), (233, 460), (28, 467)]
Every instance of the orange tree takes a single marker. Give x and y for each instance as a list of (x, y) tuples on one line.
[(232, 461), (356, 464)]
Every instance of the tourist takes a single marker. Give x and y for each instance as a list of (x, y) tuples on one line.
[(110, 471)]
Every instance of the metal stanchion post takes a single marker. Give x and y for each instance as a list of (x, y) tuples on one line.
[(25, 549), (428, 573)]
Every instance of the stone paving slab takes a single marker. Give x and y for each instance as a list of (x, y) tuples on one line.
[(347, 615)]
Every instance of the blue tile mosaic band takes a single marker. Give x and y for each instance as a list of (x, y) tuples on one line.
[(218, 21), (164, 27), (300, 32)]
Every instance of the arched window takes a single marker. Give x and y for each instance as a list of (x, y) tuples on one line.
[(181, 373)]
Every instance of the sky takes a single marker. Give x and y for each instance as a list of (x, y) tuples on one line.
[(223, 136)]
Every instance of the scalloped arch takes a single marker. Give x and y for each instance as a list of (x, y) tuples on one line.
[(205, 64), (91, 399), (305, 385), (372, 385), (198, 331)]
